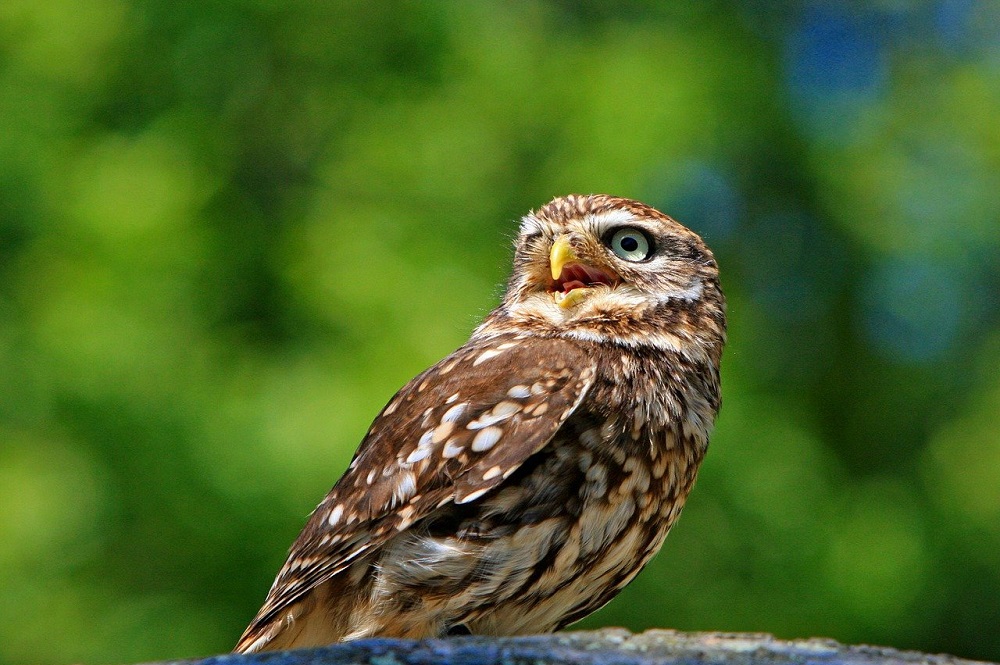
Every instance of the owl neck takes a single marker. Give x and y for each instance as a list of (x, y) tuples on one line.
[(693, 329)]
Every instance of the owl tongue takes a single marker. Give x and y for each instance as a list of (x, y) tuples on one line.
[(579, 276)]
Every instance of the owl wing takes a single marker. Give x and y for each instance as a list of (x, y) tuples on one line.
[(451, 434)]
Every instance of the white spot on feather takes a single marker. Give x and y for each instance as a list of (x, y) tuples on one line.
[(498, 413), (453, 448), (486, 439), (692, 292), (493, 472), (473, 496), (519, 392), (486, 355), (442, 432), (406, 486), (336, 514), (421, 452), (405, 515), (454, 413)]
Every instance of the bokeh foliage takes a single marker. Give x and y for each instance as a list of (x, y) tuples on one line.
[(230, 230)]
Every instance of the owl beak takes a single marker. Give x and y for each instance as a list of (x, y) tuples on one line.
[(571, 278), (560, 254)]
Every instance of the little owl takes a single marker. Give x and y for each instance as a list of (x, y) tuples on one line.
[(519, 484)]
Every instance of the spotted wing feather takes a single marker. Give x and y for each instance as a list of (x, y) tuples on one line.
[(452, 434)]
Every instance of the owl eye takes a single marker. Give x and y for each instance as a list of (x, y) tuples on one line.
[(630, 243)]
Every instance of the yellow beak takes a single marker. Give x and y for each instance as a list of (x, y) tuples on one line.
[(560, 254)]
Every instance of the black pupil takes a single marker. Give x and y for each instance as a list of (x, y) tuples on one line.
[(629, 244)]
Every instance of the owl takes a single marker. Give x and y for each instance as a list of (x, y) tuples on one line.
[(520, 483)]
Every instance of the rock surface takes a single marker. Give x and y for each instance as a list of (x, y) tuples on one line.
[(605, 647)]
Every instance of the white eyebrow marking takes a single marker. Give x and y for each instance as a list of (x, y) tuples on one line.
[(604, 220), (529, 225)]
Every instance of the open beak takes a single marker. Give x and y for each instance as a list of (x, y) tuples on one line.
[(570, 277), (560, 254)]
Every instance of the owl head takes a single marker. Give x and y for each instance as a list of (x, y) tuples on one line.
[(611, 269)]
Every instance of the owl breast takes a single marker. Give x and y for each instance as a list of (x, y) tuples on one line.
[(568, 530)]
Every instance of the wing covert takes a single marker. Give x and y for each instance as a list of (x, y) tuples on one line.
[(451, 434)]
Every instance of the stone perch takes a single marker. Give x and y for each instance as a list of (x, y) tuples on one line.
[(605, 647)]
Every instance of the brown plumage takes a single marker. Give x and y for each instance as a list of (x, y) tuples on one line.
[(520, 483)]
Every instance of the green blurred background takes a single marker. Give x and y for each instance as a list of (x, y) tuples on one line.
[(230, 230)]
